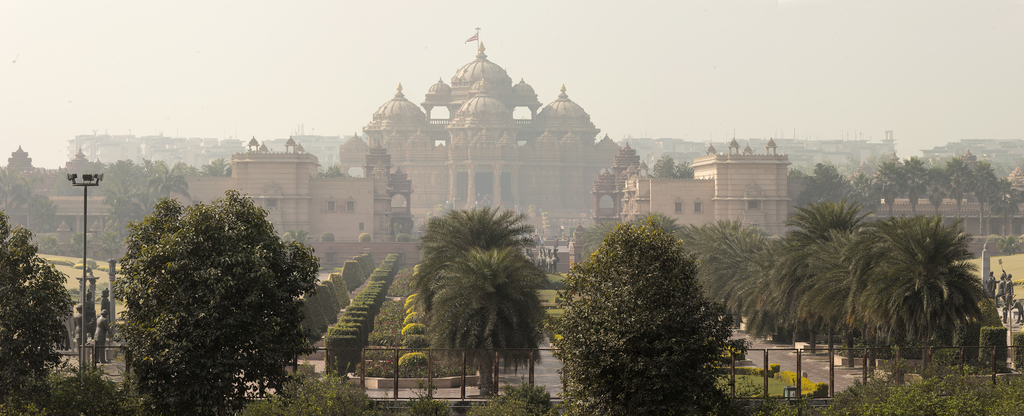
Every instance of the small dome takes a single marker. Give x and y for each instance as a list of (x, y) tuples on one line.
[(483, 104), (711, 149), (771, 144), (562, 107), (440, 88), (734, 144), (263, 148), (290, 142), (253, 142), (399, 109), (299, 148), (747, 150), (522, 88)]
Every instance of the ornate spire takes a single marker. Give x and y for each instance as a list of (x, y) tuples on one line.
[(562, 95)]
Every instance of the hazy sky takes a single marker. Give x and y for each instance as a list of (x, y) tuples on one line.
[(932, 71)]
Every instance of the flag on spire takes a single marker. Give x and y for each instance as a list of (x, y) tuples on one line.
[(473, 38)]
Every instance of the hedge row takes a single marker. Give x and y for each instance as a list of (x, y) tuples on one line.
[(806, 385), (322, 306), (352, 274), (1018, 350), (346, 338), (62, 262), (994, 336), (773, 369)]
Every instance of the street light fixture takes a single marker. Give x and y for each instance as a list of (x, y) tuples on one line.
[(88, 179)]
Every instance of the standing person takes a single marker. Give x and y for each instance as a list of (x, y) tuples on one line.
[(102, 329)]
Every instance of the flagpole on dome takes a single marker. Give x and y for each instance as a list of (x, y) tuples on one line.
[(475, 37)]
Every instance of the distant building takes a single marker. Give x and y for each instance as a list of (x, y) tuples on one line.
[(800, 152), (736, 185), (484, 140), (995, 150)]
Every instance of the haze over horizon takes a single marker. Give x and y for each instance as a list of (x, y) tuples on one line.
[(932, 71)]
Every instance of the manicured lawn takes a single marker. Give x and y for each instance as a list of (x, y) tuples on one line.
[(547, 296), (750, 386), (1012, 264)]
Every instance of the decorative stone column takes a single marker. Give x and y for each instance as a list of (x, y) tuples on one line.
[(453, 184), (515, 186), (111, 275)]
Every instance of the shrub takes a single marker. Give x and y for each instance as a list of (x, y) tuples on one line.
[(327, 237), (412, 359), (62, 262), (774, 369), (806, 385), (414, 329), (409, 301), (967, 335), (402, 284), (352, 275), (415, 341), (314, 395), (523, 399), (364, 238), (365, 262), (989, 313), (1018, 351), (409, 319), (994, 337), (402, 238)]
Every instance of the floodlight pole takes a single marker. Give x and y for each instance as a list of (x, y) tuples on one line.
[(87, 181)]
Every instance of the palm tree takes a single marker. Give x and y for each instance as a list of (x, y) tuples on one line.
[(937, 181), (890, 179), (218, 168), (448, 238), (164, 181), (864, 191), (922, 278), (959, 175), (916, 176), (1006, 202), (487, 300), (984, 184)]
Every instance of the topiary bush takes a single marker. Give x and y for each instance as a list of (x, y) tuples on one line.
[(967, 335), (1018, 351), (327, 237), (352, 275), (415, 341), (989, 313), (364, 238), (995, 337), (414, 329)]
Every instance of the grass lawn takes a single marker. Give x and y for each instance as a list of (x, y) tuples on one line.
[(751, 386), (1012, 264)]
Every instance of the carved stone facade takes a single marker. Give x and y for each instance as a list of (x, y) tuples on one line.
[(480, 153), (738, 185)]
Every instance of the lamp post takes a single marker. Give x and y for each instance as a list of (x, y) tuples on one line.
[(88, 180)]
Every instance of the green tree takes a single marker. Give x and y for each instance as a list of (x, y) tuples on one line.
[(891, 181), (959, 175), (332, 172), (1008, 245), (448, 238), (984, 184), (639, 337), (937, 183), (825, 185), (34, 307), (218, 168), (212, 304), (487, 300), (864, 191), (163, 181), (666, 168), (916, 176), (922, 278), (43, 214), (1006, 203)]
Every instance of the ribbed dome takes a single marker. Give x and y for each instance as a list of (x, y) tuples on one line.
[(563, 107), (481, 68), (440, 88), (399, 109), (522, 88), (484, 104)]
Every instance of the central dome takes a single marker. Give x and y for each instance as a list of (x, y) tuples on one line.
[(480, 68)]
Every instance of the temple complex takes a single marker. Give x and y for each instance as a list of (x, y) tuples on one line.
[(736, 185), (465, 147)]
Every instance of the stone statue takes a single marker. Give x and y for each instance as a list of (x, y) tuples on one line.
[(102, 329), (1002, 289), (554, 261), (105, 300), (89, 313), (78, 325), (987, 283)]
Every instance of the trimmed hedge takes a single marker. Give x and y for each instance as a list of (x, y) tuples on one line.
[(321, 309), (366, 262), (359, 316), (62, 262), (994, 336), (364, 238), (1018, 351), (414, 329), (352, 275), (967, 335), (327, 237), (806, 385)]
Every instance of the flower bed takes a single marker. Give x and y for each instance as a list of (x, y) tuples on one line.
[(402, 286), (387, 326)]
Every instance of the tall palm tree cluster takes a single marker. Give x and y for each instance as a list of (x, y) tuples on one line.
[(895, 280), (476, 289), (957, 179)]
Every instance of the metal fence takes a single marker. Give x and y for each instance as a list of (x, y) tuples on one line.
[(540, 367)]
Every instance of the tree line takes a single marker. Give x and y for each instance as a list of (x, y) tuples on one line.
[(926, 188)]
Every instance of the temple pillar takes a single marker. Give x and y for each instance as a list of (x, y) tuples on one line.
[(515, 186), (496, 201), (471, 192)]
